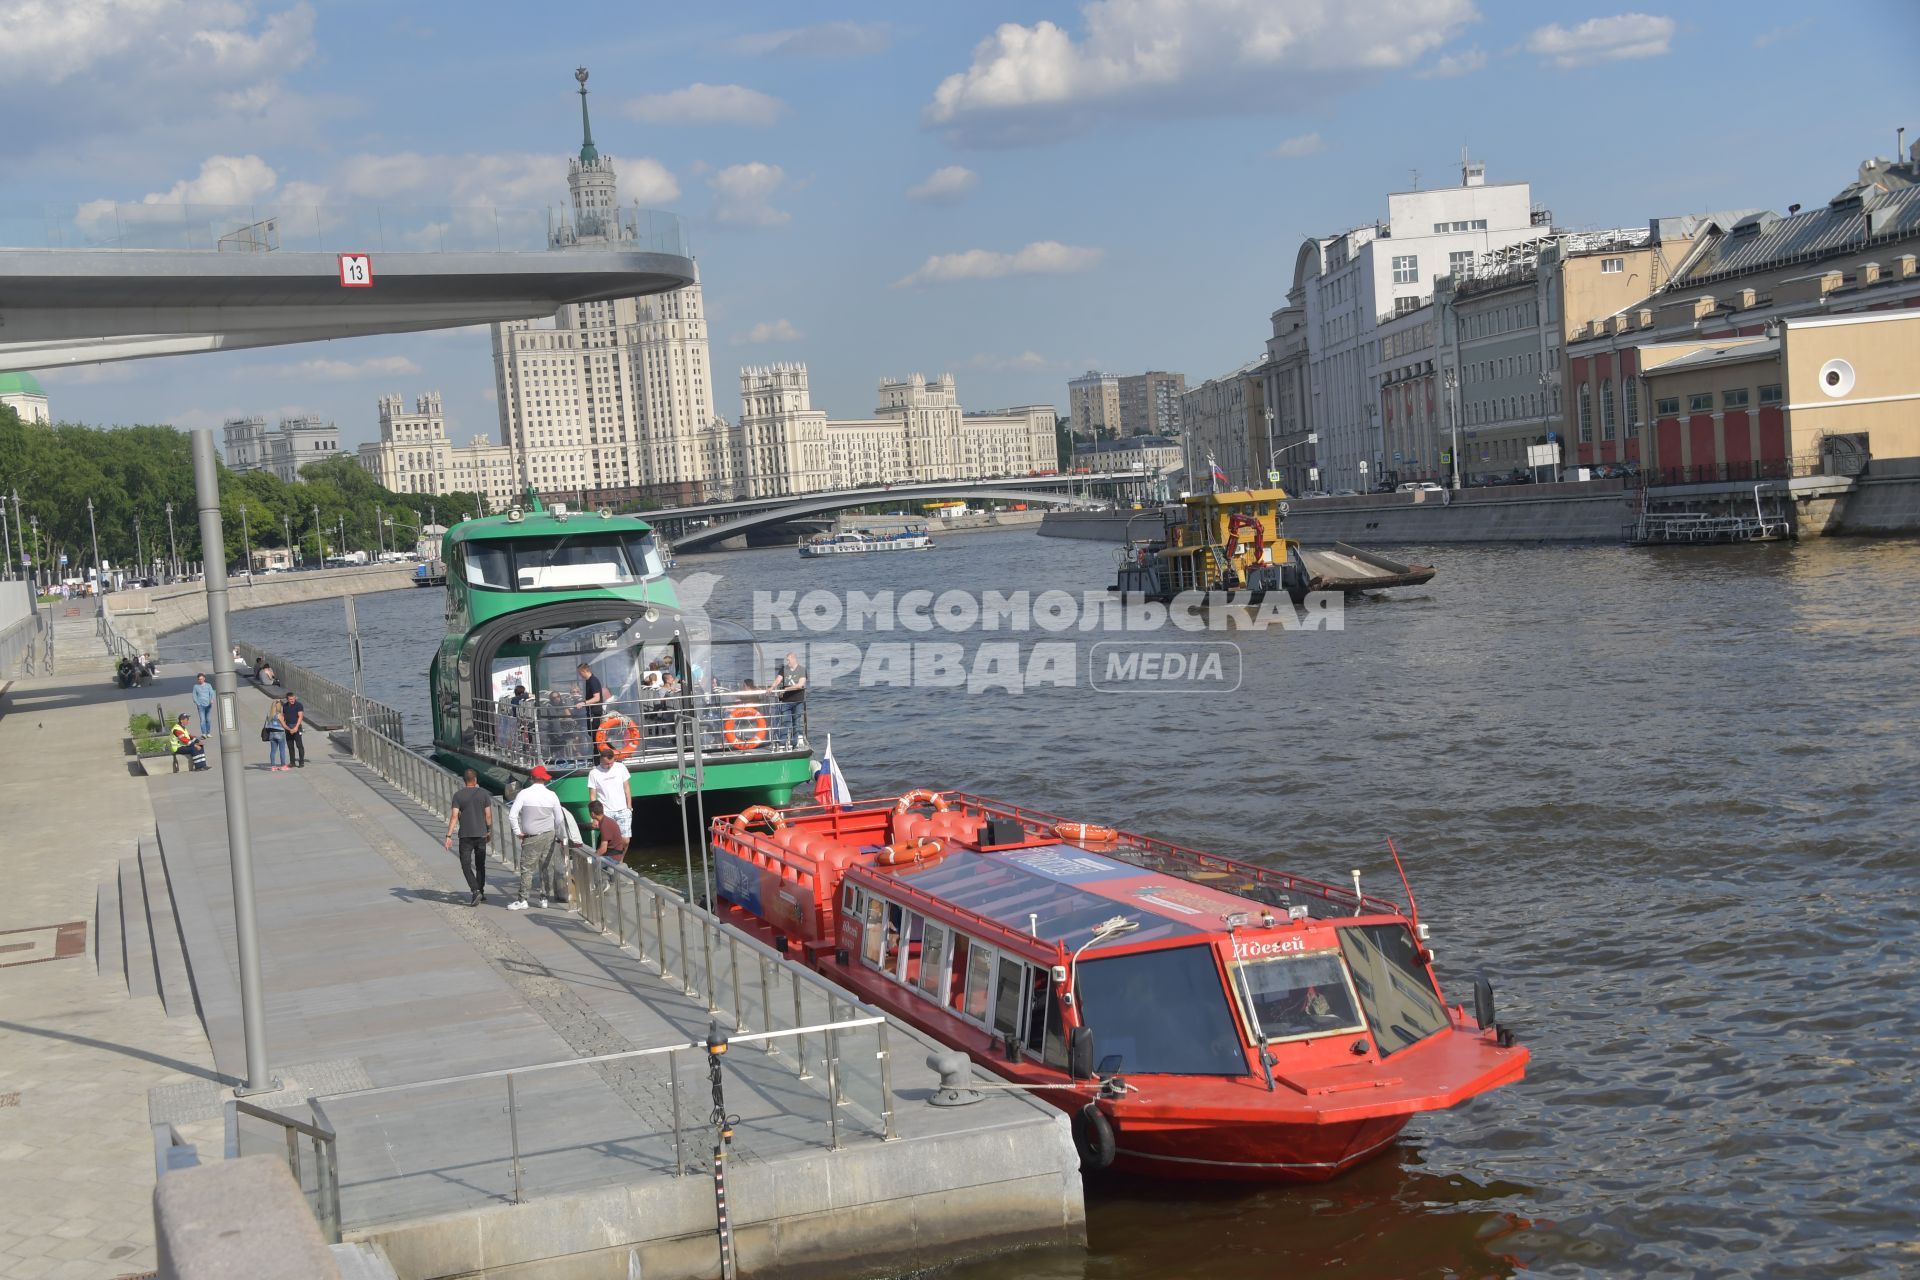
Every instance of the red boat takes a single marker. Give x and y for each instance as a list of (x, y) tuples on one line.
[(1197, 1017)]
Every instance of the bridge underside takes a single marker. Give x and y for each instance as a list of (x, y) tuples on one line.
[(800, 508), (78, 306)]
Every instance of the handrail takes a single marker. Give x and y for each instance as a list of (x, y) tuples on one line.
[(326, 1163), (333, 701)]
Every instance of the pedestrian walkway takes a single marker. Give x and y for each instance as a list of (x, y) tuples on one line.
[(77, 1054)]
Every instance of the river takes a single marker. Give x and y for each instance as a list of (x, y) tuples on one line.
[(1664, 799)]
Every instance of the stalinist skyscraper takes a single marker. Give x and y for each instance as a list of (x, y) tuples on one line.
[(611, 399)]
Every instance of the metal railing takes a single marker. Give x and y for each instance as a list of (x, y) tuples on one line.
[(171, 1152), (557, 733), (324, 1196), (275, 227), (326, 701)]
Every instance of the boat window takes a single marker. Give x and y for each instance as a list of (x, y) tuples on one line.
[(1395, 988), (909, 968), (1161, 1012), (955, 995), (487, 564), (1292, 997), (876, 914), (933, 960), (572, 563), (643, 553), (1045, 1033), (890, 950), (1006, 996), (979, 976)]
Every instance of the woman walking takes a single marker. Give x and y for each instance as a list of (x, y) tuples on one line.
[(276, 728)]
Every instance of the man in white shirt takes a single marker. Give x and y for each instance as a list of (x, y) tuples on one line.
[(544, 828), (611, 784)]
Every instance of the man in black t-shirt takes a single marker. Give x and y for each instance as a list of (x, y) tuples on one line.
[(472, 820), (293, 714)]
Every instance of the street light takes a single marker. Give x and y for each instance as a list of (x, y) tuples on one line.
[(1273, 459), (33, 523), (286, 540), (246, 541), (20, 534), (6, 537), (139, 547), (380, 538), (1453, 421), (99, 579), (319, 548), (173, 548)]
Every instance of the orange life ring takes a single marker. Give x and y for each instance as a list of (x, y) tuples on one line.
[(745, 729), (760, 813), (1085, 833), (909, 851), (920, 795), (629, 736)]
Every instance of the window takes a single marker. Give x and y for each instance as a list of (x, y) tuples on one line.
[(1293, 997), (1161, 1012), (1770, 394), (1607, 431), (1700, 402), (1586, 414), (1401, 306), (1479, 224), (1666, 406), (1630, 391), (1736, 399), (1395, 989), (1460, 264), (1612, 266), (1406, 269)]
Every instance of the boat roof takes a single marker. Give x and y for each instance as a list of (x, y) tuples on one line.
[(1062, 893), (545, 524)]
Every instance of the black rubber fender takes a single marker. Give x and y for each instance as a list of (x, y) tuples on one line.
[(1093, 1138)]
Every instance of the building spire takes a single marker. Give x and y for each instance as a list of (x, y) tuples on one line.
[(588, 153)]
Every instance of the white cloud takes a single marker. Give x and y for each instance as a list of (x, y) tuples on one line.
[(1626, 35), (743, 193), (507, 179), (221, 180), (1448, 66), (50, 41), (771, 331), (342, 370), (822, 40), (707, 104), (944, 186), (1774, 35), (1306, 144), (1032, 83), (1042, 257)]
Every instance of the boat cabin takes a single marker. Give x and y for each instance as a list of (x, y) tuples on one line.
[(1211, 542)]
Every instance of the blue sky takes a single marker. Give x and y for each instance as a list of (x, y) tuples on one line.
[(1013, 193)]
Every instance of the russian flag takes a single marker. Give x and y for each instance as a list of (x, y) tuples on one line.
[(1219, 476), (829, 784)]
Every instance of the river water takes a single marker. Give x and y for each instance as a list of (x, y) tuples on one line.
[(1665, 799)]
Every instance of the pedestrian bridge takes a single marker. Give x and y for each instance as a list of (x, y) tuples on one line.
[(759, 513)]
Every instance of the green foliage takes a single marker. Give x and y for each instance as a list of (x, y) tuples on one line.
[(155, 745), (140, 724), (132, 473)]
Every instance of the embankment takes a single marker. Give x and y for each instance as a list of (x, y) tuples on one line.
[(146, 614)]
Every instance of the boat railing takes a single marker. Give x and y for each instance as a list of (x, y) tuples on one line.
[(720, 727)]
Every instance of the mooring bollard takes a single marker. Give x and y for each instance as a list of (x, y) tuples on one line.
[(956, 1080)]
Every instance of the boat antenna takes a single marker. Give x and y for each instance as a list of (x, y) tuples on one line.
[(1413, 908), (1357, 899), (1110, 928)]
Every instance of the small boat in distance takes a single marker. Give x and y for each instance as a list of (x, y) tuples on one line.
[(1197, 1017), (860, 541)]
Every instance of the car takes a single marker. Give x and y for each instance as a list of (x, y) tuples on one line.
[(1419, 486), (1345, 493)]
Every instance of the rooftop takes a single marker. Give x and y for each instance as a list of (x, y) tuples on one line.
[(1853, 221)]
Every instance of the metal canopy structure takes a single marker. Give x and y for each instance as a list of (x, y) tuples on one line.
[(78, 306)]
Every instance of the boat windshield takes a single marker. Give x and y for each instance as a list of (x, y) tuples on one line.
[(572, 562), (1160, 1012), (1293, 997), (1402, 1005)]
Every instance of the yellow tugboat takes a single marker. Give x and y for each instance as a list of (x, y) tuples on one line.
[(1236, 541)]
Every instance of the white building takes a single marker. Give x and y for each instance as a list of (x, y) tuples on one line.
[(289, 449), (414, 455), (22, 393), (611, 401), (1352, 283), (918, 433)]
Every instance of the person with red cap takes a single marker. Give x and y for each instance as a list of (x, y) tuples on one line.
[(544, 828)]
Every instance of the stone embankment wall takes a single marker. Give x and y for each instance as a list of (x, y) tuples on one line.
[(1885, 500), (144, 615)]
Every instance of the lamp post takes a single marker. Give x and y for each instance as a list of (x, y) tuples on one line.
[(33, 523), (379, 534), (139, 547), (286, 540), (341, 546), (6, 537), (319, 548), (246, 542), (99, 579), (20, 534), (1453, 421), (173, 548), (1273, 459)]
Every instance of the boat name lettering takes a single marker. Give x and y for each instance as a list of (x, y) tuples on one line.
[(1245, 950)]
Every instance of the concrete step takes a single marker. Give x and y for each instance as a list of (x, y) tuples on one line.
[(143, 978), (361, 1262), (109, 947), (170, 961), (210, 963)]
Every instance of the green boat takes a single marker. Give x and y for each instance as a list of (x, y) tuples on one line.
[(535, 593)]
